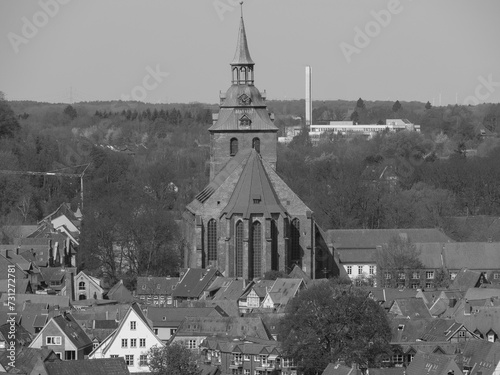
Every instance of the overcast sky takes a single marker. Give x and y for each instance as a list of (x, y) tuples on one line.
[(374, 49)]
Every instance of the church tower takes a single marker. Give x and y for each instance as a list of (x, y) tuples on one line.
[(243, 121), (247, 221)]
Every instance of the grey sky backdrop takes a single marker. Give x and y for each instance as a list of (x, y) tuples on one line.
[(103, 48)]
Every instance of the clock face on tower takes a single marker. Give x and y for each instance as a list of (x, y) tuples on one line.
[(244, 99)]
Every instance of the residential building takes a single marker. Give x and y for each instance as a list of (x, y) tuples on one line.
[(246, 356), (282, 291), (65, 337), (120, 293), (194, 283), (254, 295), (87, 287), (166, 320), (194, 330), (131, 340), (156, 291)]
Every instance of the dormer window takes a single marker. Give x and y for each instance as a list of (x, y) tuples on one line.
[(245, 121)]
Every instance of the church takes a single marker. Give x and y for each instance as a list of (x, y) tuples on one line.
[(247, 221)]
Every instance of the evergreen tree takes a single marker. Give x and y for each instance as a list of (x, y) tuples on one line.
[(360, 104), (397, 106), (70, 112), (428, 105)]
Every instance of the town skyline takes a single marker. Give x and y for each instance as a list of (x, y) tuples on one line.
[(381, 50)]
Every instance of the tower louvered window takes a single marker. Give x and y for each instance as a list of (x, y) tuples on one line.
[(256, 144), (239, 249), (295, 240), (212, 240), (256, 250), (233, 147)]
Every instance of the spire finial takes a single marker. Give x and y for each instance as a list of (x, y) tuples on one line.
[(241, 8)]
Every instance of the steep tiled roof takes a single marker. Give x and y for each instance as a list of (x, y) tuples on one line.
[(473, 255), (283, 290), (298, 273), (482, 356), (18, 231), (232, 326), (101, 366), (406, 330), (120, 293), (231, 291), (465, 279), (72, 330), (412, 308), (254, 183), (432, 363), (481, 293), (386, 296), (61, 301), (194, 282), (371, 238), (173, 316), (22, 336), (27, 359), (441, 330), (156, 285)]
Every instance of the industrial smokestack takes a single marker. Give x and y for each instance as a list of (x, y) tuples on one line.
[(308, 95)]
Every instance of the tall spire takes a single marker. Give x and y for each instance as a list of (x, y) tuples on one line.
[(242, 55)]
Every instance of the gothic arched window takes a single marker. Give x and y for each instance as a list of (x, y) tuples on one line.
[(212, 240), (274, 246), (81, 285), (233, 146), (238, 250), (256, 144), (256, 250), (295, 240)]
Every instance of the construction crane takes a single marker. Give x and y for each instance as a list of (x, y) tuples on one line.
[(54, 173)]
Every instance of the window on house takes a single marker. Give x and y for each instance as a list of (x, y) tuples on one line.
[(414, 286), (245, 121), (212, 240), (415, 275), (58, 354), (401, 276), (70, 355), (397, 358), (349, 270), (129, 359), (81, 285), (496, 276), (53, 340), (143, 360), (142, 343), (429, 275), (453, 275), (246, 357), (133, 343), (233, 146), (191, 344), (461, 333), (95, 345), (133, 325), (372, 270), (388, 276), (246, 371), (263, 359), (172, 331), (113, 356), (360, 270), (124, 343), (428, 285)]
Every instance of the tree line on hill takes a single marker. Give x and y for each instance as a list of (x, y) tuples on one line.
[(148, 161)]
